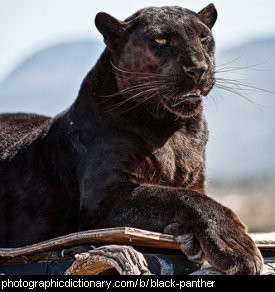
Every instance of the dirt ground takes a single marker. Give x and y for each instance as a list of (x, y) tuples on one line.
[(253, 202)]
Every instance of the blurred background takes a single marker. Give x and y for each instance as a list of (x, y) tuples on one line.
[(48, 46)]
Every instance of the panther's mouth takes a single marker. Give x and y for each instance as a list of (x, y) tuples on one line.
[(186, 104), (186, 98), (192, 96)]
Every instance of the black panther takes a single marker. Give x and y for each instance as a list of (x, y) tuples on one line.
[(130, 151)]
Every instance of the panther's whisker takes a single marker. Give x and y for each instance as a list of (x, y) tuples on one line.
[(234, 91), (137, 77), (129, 90), (179, 114), (165, 92), (137, 73), (178, 103), (241, 85), (129, 99), (146, 99), (232, 61), (234, 69), (132, 88), (135, 96)]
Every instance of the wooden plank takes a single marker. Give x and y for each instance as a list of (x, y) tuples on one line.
[(119, 235), (264, 240), (267, 270)]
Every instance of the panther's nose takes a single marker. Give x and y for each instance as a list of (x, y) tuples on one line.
[(196, 72)]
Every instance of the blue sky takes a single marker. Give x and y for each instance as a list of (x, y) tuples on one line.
[(29, 25)]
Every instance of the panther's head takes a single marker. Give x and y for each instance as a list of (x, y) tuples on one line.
[(163, 57)]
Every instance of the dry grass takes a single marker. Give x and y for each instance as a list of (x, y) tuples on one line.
[(254, 202)]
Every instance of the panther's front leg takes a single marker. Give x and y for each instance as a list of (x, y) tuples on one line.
[(205, 229)]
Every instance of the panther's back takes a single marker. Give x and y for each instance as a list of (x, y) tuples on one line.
[(16, 129)]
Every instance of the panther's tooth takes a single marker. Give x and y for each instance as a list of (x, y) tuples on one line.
[(198, 92)]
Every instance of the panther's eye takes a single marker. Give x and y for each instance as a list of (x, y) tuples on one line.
[(205, 40), (161, 42)]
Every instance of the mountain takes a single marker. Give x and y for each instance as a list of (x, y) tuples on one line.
[(242, 134), (48, 81)]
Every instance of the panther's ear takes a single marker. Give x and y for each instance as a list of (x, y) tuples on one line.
[(208, 15), (110, 27)]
